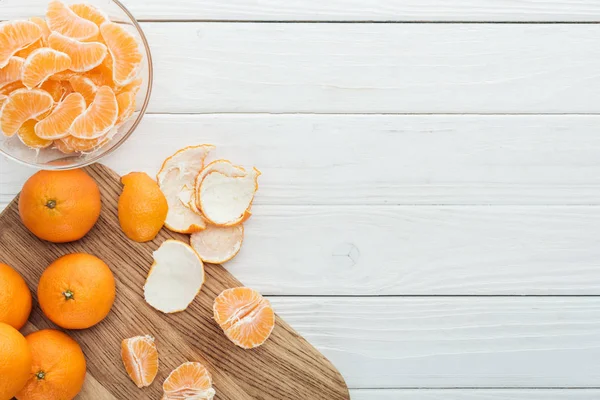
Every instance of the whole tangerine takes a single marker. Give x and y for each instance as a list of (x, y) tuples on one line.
[(15, 368), (58, 368), (15, 298), (77, 291), (60, 206)]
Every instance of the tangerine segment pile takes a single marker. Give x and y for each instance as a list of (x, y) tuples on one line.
[(245, 316), (190, 380), (75, 48), (140, 358)]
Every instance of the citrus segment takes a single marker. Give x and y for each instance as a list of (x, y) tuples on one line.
[(216, 244), (14, 36), (38, 44), (65, 21), (124, 51), (58, 368), (134, 86), (177, 172), (27, 135), (63, 76), (126, 103), (23, 105), (90, 13), (71, 144), (41, 64), (58, 123), (11, 87), (43, 25), (11, 72), (188, 199), (15, 298), (142, 207), (84, 55), (99, 117), (85, 87), (57, 89), (140, 358), (245, 316), (175, 278), (190, 380), (15, 368), (226, 200)]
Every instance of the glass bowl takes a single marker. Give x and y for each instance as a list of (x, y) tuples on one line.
[(50, 158)]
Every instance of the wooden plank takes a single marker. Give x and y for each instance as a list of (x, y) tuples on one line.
[(284, 367), (375, 68), (381, 160), (453, 341), (475, 394)]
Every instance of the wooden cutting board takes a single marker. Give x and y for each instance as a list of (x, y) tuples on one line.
[(286, 367)]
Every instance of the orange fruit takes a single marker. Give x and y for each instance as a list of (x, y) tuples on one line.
[(124, 50), (23, 105), (90, 13), (15, 298), (140, 358), (58, 368), (142, 207), (99, 118), (57, 89), (16, 35), (85, 86), (245, 316), (29, 138), (15, 367), (71, 144), (57, 124), (12, 71), (43, 63), (76, 291), (65, 21), (60, 206), (189, 380), (126, 103), (84, 55)]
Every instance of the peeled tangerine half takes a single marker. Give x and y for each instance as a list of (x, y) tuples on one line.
[(178, 172), (140, 358), (225, 200), (245, 316), (217, 244), (99, 118), (175, 278), (23, 105), (189, 381)]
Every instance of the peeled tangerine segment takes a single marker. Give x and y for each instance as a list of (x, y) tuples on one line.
[(58, 124), (29, 138), (226, 200), (216, 244), (126, 102), (16, 35), (177, 172), (245, 316), (12, 71), (125, 52), (65, 21), (175, 278), (190, 380), (85, 86), (85, 56), (23, 105), (99, 117), (42, 64), (90, 13), (140, 358)]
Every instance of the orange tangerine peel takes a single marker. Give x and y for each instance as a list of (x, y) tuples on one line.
[(217, 245), (11, 73)]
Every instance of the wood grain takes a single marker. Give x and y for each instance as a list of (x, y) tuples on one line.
[(352, 10), (285, 367), (375, 68), (380, 160)]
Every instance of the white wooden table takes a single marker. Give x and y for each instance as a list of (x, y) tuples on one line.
[(429, 215)]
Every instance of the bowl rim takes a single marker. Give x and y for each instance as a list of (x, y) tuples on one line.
[(133, 127)]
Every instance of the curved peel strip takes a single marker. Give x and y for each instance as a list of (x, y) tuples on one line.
[(42, 64), (217, 245), (190, 380), (99, 118), (246, 317), (23, 105), (124, 50), (58, 123), (226, 200), (16, 35), (177, 172), (140, 358), (223, 166), (176, 277), (85, 56), (65, 21)]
